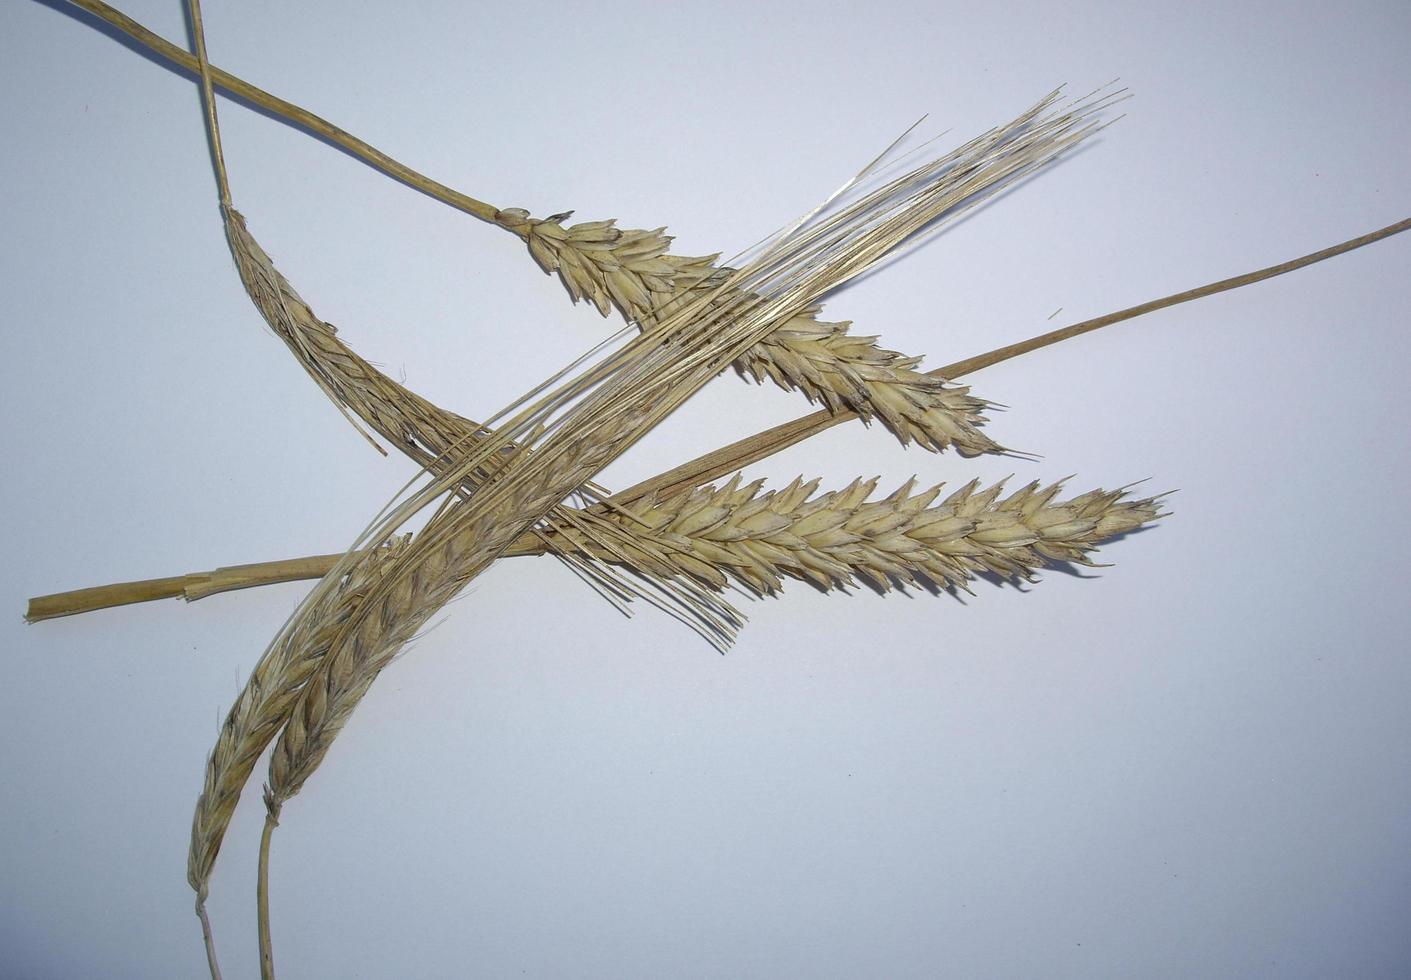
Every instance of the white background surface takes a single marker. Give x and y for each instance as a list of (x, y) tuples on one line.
[(1194, 763)]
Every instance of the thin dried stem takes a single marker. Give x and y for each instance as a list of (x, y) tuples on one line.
[(211, 962), (262, 896), (298, 116), (218, 154)]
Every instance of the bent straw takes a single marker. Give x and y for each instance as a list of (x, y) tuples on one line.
[(301, 117), (631, 269)]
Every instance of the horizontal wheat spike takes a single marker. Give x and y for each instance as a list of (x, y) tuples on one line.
[(662, 530), (630, 269), (837, 538)]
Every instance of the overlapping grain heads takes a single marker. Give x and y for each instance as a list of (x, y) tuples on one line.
[(375, 599), (588, 421), (695, 341), (503, 482), (435, 438), (264, 705)]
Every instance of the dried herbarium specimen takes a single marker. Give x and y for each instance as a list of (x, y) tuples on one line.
[(523, 482)]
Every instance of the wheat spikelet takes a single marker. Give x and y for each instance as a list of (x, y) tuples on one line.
[(263, 707), (837, 538), (631, 270)]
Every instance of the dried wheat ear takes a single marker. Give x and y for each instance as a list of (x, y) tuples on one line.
[(631, 270), (264, 706), (834, 539)]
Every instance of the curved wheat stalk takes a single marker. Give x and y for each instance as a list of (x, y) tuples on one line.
[(631, 270)]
